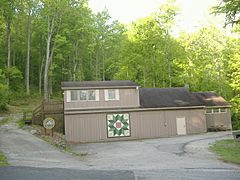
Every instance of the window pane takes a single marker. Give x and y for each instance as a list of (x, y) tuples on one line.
[(208, 111), (223, 110), (216, 110), (92, 95), (74, 96), (83, 95), (111, 94)]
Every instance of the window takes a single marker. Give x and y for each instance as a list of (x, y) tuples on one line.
[(111, 94), (216, 110), (74, 96), (82, 95), (208, 111), (91, 95), (223, 110)]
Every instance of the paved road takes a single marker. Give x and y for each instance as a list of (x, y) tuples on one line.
[(29, 173), (24, 149), (184, 157)]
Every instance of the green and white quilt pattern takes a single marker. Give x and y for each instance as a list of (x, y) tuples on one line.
[(118, 125)]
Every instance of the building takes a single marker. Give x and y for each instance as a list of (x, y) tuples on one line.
[(217, 111), (120, 110)]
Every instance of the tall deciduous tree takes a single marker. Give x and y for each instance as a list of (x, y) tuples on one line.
[(231, 10)]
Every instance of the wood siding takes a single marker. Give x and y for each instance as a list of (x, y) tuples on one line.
[(219, 120), (144, 124), (128, 98)]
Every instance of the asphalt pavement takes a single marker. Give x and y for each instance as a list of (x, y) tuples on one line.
[(30, 173), (183, 157)]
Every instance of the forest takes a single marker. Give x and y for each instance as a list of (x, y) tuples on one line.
[(44, 42)]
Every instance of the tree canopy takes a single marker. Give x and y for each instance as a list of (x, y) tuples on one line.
[(44, 42)]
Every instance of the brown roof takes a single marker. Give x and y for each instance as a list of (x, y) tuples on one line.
[(97, 84), (210, 99), (167, 97)]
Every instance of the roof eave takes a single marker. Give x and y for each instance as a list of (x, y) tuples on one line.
[(99, 87)]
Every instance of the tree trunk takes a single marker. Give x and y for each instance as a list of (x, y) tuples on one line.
[(45, 80), (14, 49), (8, 31), (169, 73), (28, 54), (40, 66)]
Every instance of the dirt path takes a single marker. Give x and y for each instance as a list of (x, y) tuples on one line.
[(24, 149)]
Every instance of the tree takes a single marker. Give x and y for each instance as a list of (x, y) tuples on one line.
[(231, 9), (53, 12), (8, 9)]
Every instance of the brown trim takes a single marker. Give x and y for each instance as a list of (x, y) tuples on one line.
[(100, 87), (210, 107), (79, 111)]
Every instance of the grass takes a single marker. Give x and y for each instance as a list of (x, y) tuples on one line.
[(20, 123), (228, 150), (3, 160), (5, 120)]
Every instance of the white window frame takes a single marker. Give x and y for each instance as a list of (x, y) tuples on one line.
[(106, 95), (219, 110), (68, 98)]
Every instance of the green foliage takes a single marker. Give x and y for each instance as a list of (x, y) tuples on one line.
[(4, 97), (231, 10), (3, 160), (5, 120), (235, 102), (20, 123), (88, 46), (228, 150)]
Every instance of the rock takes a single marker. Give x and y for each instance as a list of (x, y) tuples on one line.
[(33, 131)]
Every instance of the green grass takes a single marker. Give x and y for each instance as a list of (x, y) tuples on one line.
[(20, 123), (228, 150), (5, 120), (3, 160)]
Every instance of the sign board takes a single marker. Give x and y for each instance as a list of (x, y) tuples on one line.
[(48, 123)]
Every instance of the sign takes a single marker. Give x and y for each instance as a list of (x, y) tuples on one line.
[(118, 125), (48, 123)]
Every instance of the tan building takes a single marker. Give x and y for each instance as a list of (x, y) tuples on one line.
[(120, 110)]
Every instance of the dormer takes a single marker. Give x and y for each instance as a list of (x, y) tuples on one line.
[(84, 95)]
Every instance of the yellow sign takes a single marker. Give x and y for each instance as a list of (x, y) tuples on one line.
[(49, 123)]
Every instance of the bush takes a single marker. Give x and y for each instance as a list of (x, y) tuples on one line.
[(4, 97), (235, 111)]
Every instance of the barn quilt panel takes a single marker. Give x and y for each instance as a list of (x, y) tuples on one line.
[(118, 125)]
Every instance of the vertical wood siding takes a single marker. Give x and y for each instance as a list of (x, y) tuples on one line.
[(216, 120), (128, 98), (144, 124)]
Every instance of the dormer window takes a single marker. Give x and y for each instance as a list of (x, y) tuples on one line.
[(82, 95), (111, 94), (74, 95)]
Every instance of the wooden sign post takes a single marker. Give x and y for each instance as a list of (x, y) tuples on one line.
[(48, 123)]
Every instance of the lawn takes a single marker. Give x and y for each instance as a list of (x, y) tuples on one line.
[(5, 120), (228, 150), (3, 160)]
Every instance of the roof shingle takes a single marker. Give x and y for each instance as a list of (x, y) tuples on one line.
[(210, 99), (167, 97)]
